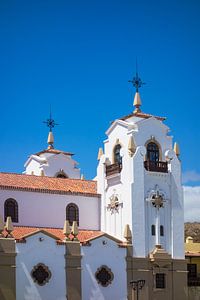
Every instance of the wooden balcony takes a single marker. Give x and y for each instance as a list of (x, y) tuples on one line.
[(157, 166), (113, 169)]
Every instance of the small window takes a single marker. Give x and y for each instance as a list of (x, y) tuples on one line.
[(152, 152), (161, 230), (72, 213), (153, 230), (160, 281), (11, 210), (117, 156), (192, 271)]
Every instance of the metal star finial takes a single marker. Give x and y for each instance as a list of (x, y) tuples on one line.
[(50, 122), (136, 81)]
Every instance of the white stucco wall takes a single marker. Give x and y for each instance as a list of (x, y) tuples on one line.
[(51, 164), (49, 210), (133, 183), (31, 253), (93, 257)]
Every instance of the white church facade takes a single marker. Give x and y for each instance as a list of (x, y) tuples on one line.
[(119, 236)]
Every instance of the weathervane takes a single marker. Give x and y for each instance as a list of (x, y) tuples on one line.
[(50, 122), (136, 81)]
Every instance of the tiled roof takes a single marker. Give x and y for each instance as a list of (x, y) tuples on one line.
[(53, 151), (142, 115), (45, 184), (20, 233)]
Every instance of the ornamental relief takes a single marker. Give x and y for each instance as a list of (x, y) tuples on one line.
[(156, 197), (114, 203), (41, 274), (104, 276)]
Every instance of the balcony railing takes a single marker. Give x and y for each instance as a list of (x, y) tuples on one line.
[(194, 281), (156, 166), (113, 169)]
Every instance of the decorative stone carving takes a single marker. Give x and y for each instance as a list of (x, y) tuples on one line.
[(104, 276), (156, 197), (41, 274), (114, 204)]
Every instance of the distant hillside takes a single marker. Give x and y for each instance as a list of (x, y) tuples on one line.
[(193, 230)]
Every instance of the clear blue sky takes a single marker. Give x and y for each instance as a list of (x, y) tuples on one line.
[(78, 56)]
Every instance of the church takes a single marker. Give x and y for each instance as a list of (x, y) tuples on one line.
[(119, 236)]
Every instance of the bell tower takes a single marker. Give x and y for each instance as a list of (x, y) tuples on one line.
[(139, 178)]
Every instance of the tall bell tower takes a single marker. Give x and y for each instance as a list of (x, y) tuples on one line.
[(139, 178)]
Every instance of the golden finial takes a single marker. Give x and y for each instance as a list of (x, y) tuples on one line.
[(128, 234), (100, 153), (50, 140), (82, 177), (131, 146), (176, 149), (137, 102), (9, 226), (42, 173), (66, 229), (75, 230)]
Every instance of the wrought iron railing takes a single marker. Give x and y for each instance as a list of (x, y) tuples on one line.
[(194, 281), (113, 169), (156, 166)]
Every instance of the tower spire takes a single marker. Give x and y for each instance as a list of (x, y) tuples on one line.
[(137, 83), (51, 124)]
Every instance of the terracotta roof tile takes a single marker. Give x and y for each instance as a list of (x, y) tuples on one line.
[(47, 184), (54, 151), (21, 232), (142, 115)]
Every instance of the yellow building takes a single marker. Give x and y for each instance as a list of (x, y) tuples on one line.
[(192, 255)]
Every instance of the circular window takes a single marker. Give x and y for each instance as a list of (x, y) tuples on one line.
[(41, 274), (104, 276)]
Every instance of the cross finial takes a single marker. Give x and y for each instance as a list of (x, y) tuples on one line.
[(136, 81), (50, 122)]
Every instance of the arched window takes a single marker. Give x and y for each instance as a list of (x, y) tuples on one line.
[(153, 230), (117, 156), (152, 152), (61, 174), (11, 210), (72, 213)]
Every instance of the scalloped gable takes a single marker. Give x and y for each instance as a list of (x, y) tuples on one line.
[(38, 159), (152, 120), (119, 123), (61, 155)]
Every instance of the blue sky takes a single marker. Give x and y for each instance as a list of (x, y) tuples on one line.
[(78, 57)]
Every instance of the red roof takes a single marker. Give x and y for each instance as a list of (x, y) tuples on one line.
[(142, 115), (21, 232), (45, 184), (53, 151)]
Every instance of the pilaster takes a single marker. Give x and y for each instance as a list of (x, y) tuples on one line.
[(73, 270), (7, 269)]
